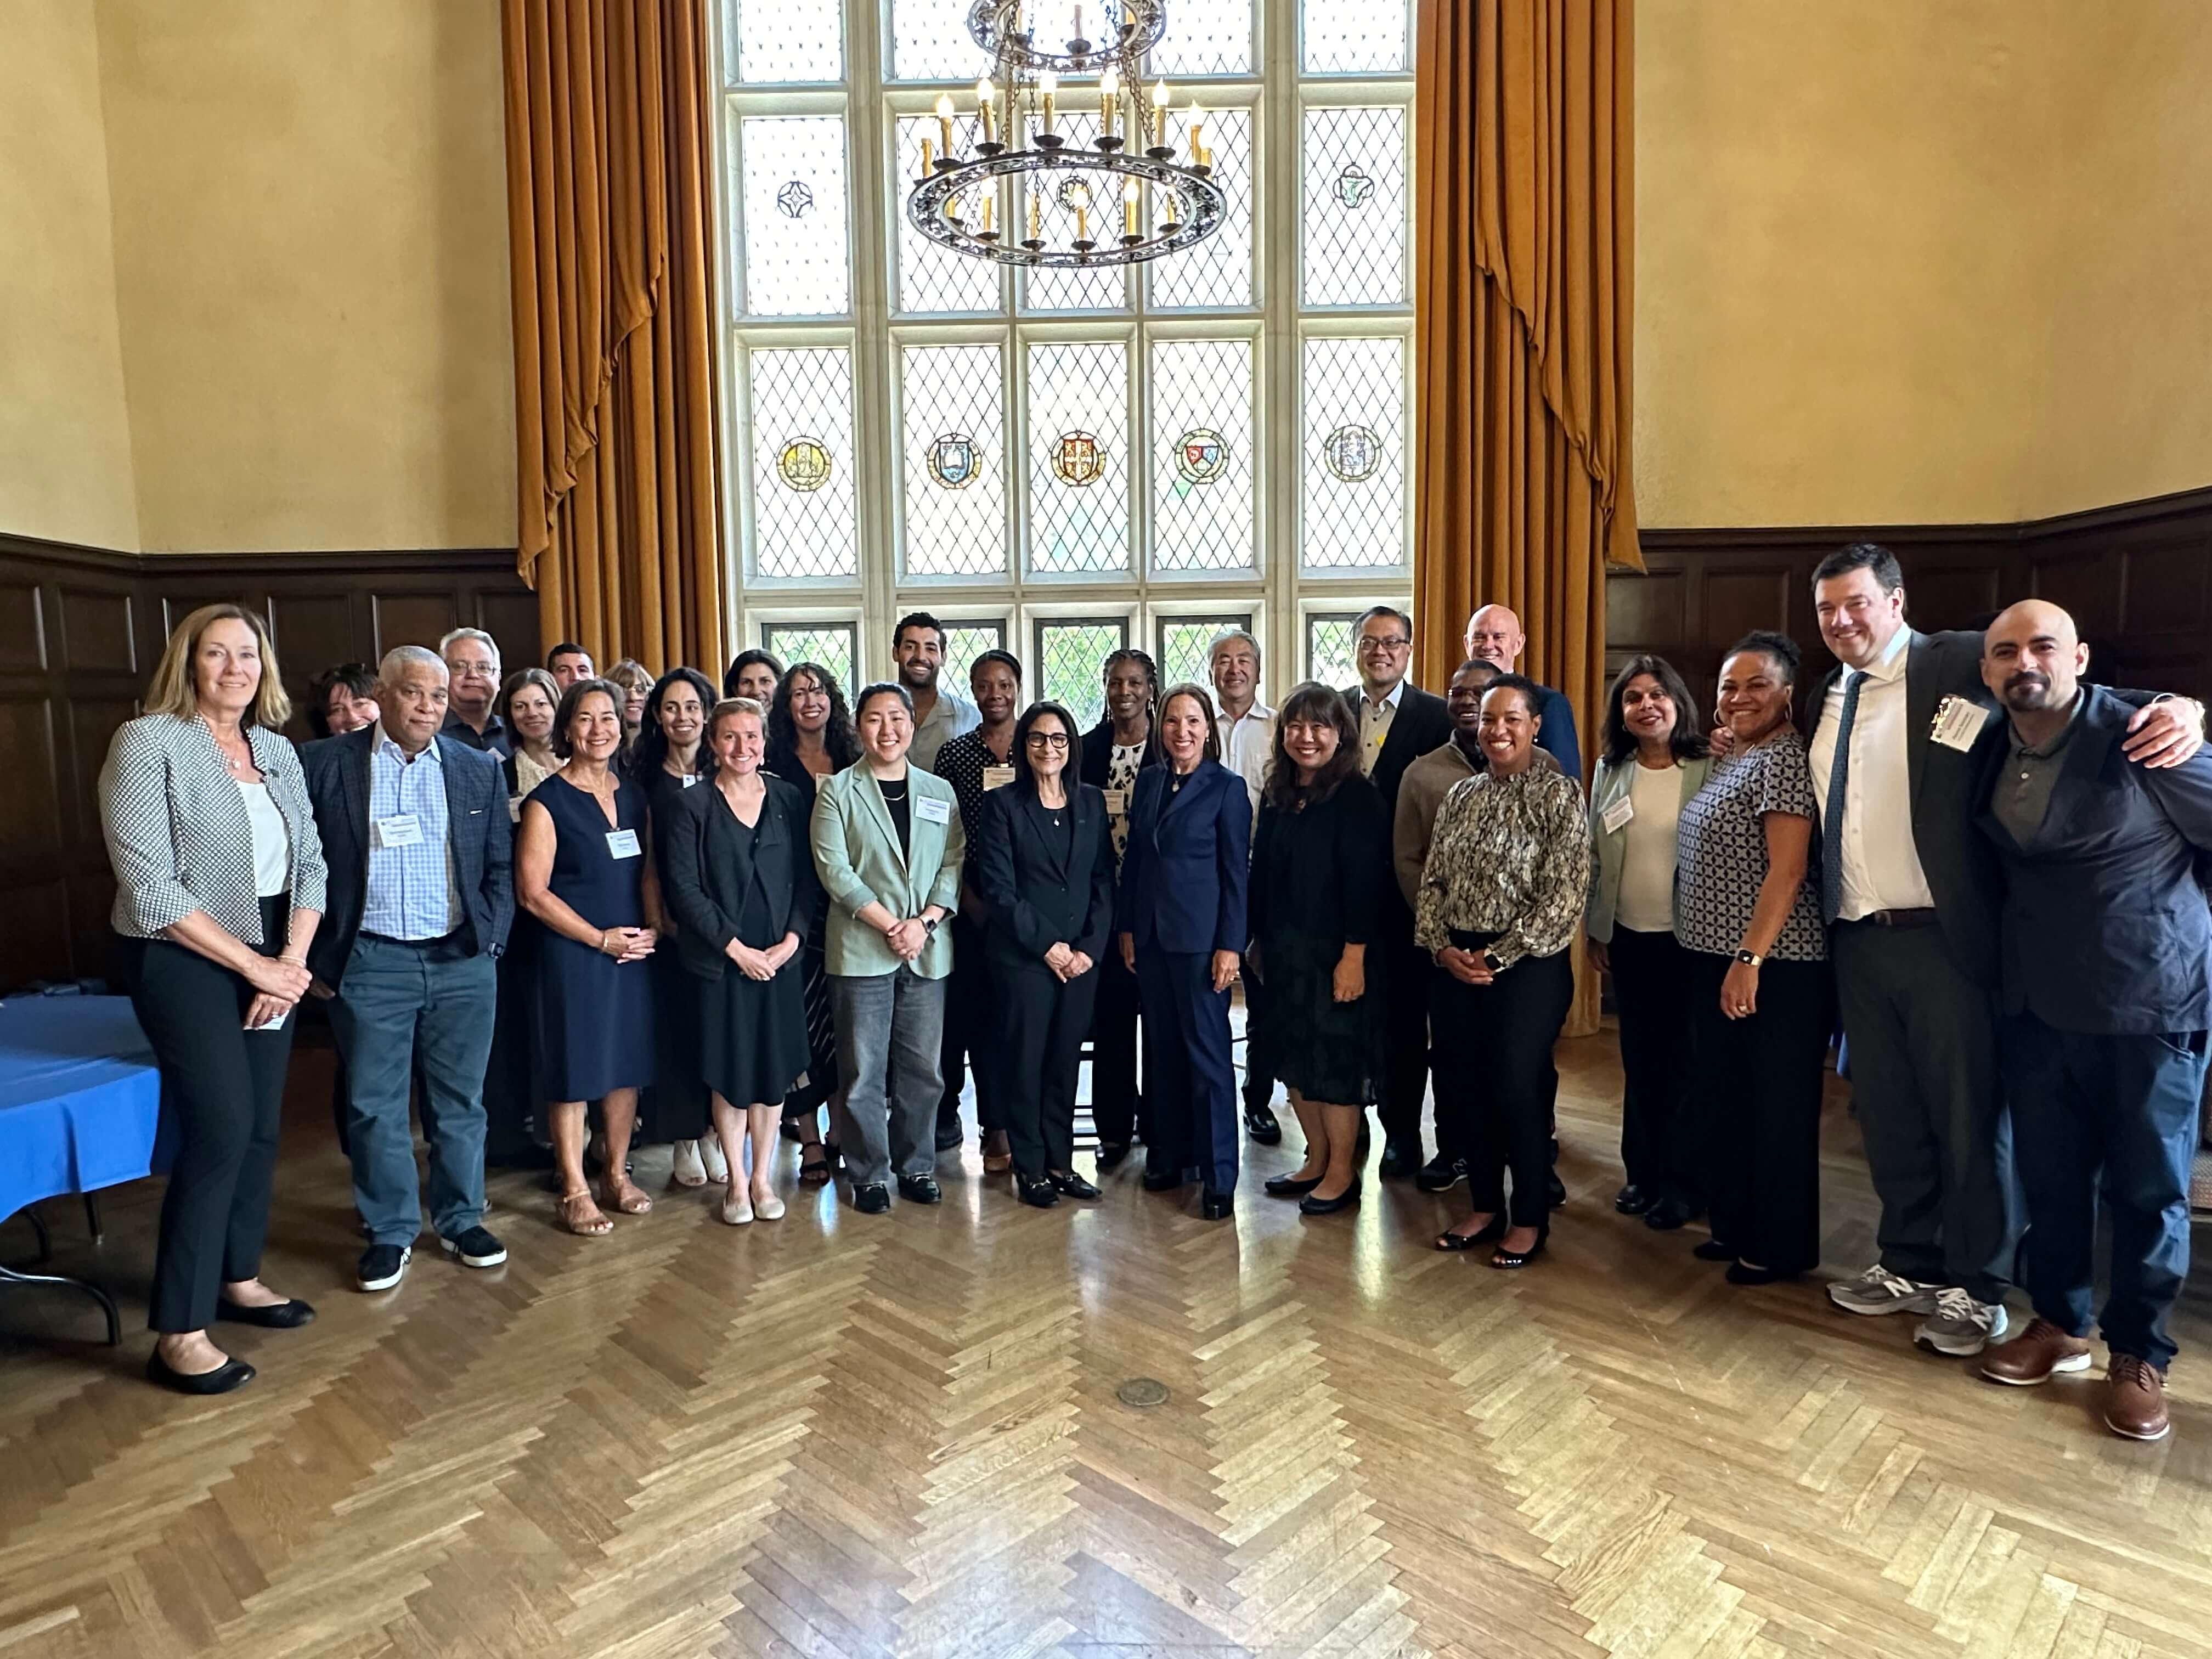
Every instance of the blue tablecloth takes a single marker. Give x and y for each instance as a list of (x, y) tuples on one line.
[(80, 1098)]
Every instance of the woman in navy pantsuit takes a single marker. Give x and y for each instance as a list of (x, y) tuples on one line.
[(1179, 922)]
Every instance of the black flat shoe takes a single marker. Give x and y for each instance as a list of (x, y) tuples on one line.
[(232, 1373), (1261, 1125), (1556, 1193), (1037, 1191), (920, 1189), (277, 1316), (1216, 1207), (1505, 1260), (873, 1198), (1073, 1185), (1399, 1160), (1285, 1186), (1669, 1213), (1311, 1205), (1741, 1274), (1713, 1250), (1110, 1153), (1164, 1181), (1490, 1233), (1633, 1199)]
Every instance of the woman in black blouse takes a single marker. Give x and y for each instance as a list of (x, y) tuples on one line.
[(1320, 856), (670, 760), (1044, 863), (1500, 899), (1747, 912)]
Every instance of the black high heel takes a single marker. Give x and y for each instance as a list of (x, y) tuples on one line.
[(1506, 1261), (1489, 1234)]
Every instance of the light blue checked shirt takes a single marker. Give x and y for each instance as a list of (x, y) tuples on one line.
[(412, 890)]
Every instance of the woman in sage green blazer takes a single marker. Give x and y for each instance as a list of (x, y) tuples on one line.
[(888, 846), (1655, 759)]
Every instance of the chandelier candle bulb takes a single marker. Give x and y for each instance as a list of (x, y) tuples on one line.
[(1082, 224), (1197, 126), (1109, 94), (926, 154), (944, 121), (990, 201), (1129, 208), (1048, 84), (983, 92), (1160, 114)]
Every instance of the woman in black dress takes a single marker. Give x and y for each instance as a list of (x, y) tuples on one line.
[(669, 760), (1043, 862), (1320, 856), (515, 1135), (581, 869), (739, 877)]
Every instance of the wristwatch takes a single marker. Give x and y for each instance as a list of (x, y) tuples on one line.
[(929, 925), (1493, 963), (1749, 958)]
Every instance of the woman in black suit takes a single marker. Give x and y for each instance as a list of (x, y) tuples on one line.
[(1180, 923), (740, 879), (1043, 862)]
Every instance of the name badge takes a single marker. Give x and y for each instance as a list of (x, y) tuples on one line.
[(1617, 814), (1117, 802), (930, 810), (690, 778), (275, 1024), (401, 830), (622, 844), (514, 809), (996, 777), (1959, 722)]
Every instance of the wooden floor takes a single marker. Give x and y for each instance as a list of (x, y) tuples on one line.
[(843, 1435)]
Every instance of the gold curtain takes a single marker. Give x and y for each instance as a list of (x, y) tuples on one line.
[(1525, 199), (609, 164)]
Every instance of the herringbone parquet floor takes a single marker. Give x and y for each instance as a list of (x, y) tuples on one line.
[(836, 1435)]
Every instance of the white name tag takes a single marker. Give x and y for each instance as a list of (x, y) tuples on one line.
[(1959, 722), (690, 778), (930, 810), (1617, 814), (622, 844), (275, 1024), (514, 809), (1117, 802), (996, 777), (402, 829)]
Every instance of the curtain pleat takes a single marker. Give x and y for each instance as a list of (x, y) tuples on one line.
[(1523, 308), (617, 469)]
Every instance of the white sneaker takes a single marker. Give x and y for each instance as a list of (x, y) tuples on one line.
[(1961, 1326), (1878, 1290), (710, 1151)]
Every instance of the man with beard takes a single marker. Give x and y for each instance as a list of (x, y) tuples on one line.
[(2107, 955), (918, 649)]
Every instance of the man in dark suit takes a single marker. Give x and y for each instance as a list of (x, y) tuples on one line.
[(1494, 636), (413, 825), (2105, 948), (1911, 894), (1399, 723)]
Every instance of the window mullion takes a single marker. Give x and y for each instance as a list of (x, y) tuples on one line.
[(863, 121), (1277, 412)]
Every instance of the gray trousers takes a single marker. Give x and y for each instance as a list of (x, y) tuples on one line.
[(894, 1020), (1923, 1055)]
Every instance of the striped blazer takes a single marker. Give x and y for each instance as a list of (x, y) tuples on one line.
[(177, 830)]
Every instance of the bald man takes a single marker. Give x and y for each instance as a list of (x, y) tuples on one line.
[(2106, 952), (1494, 636)]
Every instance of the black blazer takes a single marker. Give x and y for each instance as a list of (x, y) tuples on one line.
[(1038, 896), (1320, 872), (483, 842), (1098, 750), (1188, 865), (708, 871), (1422, 723), (2105, 927)]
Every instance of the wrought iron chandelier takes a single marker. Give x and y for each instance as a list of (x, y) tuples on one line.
[(1130, 194)]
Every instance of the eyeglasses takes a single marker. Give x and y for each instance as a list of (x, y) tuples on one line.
[(1048, 740), (1395, 642)]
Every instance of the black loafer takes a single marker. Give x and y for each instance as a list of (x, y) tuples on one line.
[(1216, 1207), (1313, 1205), (1556, 1193), (233, 1373), (1441, 1174), (1261, 1125), (1285, 1186), (1398, 1160), (1110, 1153), (1073, 1185), (1668, 1213), (277, 1316), (1163, 1181), (1036, 1190), (1713, 1250), (1633, 1199), (920, 1189), (873, 1198)]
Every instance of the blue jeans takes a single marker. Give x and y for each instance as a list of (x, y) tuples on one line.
[(396, 1005), (895, 1019), (2115, 1114)]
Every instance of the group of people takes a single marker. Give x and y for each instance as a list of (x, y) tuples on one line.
[(738, 910)]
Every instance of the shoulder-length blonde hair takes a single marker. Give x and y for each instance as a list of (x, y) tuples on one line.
[(174, 692)]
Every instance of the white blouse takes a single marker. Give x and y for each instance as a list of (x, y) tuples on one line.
[(272, 841), (1646, 904)]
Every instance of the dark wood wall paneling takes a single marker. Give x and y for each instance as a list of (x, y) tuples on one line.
[(80, 631), (2135, 577)]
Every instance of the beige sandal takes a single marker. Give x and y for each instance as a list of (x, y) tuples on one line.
[(573, 1220), (628, 1198)]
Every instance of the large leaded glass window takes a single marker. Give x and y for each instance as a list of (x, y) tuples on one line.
[(1061, 463)]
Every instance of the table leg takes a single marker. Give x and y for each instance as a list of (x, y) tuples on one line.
[(45, 1239), (92, 1218), (9, 1276)]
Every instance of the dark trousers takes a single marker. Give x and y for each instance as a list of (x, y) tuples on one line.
[(1405, 1032), (1259, 1064), (1757, 1082), (1193, 1072), (1651, 996), (224, 1088), (1042, 1024), (1924, 1085), (509, 1092), (2115, 1114), (1496, 1082), (1121, 1108), (971, 1022)]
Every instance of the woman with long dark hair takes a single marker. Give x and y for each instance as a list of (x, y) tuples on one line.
[(753, 674), (1320, 856), (1656, 759)]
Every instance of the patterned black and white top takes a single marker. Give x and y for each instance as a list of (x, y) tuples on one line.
[(1510, 856), (1720, 851), (1123, 762), (178, 834), (961, 764)]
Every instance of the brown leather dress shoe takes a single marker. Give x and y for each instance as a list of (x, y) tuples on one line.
[(2135, 1399), (2035, 1356)]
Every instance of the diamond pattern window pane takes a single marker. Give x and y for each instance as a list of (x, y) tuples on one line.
[(1329, 655), (1355, 37), (1355, 207), (1202, 476), (1078, 443), (1354, 453), (1187, 646), (964, 642), (931, 277), (1217, 273), (1070, 665), (953, 450), (1077, 290), (772, 40), (794, 215), (833, 646), (803, 496), (1206, 37), (930, 41)]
